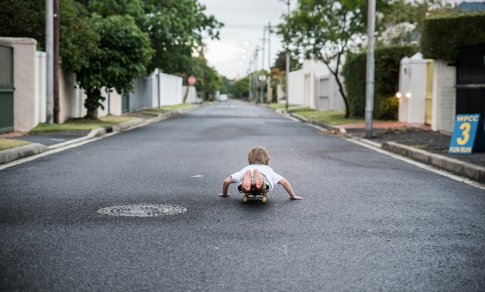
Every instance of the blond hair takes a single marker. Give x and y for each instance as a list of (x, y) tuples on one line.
[(258, 155)]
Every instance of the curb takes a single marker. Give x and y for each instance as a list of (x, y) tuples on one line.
[(12, 154), (16, 153), (465, 169), (462, 168), (335, 129)]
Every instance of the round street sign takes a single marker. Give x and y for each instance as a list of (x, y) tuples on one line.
[(191, 80)]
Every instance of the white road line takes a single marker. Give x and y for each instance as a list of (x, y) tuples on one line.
[(49, 152), (402, 158), (421, 165)]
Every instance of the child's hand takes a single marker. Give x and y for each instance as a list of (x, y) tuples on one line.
[(223, 195), (296, 198)]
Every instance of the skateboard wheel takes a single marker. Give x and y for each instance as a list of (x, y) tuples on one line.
[(245, 198), (264, 199)]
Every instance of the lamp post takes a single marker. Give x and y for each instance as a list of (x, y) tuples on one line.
[(49, 49), (369, 87), (287, 59)]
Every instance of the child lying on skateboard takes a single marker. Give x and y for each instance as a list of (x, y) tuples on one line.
[(257, 177)]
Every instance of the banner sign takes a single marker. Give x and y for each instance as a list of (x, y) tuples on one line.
[(464, 134)]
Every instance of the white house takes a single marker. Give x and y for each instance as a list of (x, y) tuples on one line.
[(315, 87)]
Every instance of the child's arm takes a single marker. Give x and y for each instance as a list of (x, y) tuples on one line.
[(225, 186), (286, 184)]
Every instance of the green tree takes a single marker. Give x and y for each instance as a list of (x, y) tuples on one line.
[(122, 54), (413, 12), (27, 19), (176, 29), (280, 61), (324, 30)]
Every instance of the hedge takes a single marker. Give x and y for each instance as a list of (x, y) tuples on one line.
[(444, 34), (387, 61)]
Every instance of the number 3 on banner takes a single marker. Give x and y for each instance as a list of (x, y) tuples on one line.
[(466, 129)]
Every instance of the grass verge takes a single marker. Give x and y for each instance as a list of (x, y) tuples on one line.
[(165, 109), (279, 105), (328, 117), (81, 124), (11, 143)]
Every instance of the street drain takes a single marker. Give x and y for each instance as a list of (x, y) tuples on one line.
[(142, 210)]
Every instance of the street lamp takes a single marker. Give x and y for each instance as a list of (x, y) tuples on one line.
[(287, 59), (369, 92)]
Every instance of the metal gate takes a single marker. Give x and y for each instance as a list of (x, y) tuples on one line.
[(470, 86), (125, 103), (470, 83), (6, 88)]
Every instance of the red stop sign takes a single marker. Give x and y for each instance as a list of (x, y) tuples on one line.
[(191, 80)]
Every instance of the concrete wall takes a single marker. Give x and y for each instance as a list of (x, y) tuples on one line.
[(296, 81), (171, 90), (444, 96), (191, 95), (412, 89), (139, 99), (328, 96), (41, 85), (26, 94)]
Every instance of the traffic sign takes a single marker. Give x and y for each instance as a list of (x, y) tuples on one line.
[(191, 80)]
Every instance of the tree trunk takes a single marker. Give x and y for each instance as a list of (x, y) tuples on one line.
[(340, 88), (92, 114), (92, 103), (186, 95), (344, 96)]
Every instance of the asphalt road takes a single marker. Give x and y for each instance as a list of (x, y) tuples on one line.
[(368, 222)]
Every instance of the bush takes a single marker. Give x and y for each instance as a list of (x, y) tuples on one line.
[(444, 34), (387, 62)]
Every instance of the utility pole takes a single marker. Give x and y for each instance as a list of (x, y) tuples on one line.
[(288, 3), (49, 49), (57, 107), (262, 67), (250, 80), (369, 87), (268, 81), (255, 77)]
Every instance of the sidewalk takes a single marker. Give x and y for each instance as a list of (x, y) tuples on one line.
[(47, 141), (418, 143)]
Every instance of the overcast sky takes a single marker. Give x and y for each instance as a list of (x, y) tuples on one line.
[(244, 22)]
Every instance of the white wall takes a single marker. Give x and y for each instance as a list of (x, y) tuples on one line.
[(296, 87), (191, 95), (41, 86), (412, 87), (412, 83), (444, 96), (328, 96), (171, 89), (26, 94)]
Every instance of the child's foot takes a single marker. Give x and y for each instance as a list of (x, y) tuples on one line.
[(258, 180), (246, 182)]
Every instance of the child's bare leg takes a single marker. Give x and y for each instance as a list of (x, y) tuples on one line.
[(246, 182), (258, 181)]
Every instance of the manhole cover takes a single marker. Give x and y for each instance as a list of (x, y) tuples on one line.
[(142, 210)]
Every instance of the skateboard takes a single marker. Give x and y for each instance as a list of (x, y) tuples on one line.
[(256, 194)]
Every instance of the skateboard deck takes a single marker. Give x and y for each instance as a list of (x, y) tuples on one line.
[(255, 194)]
